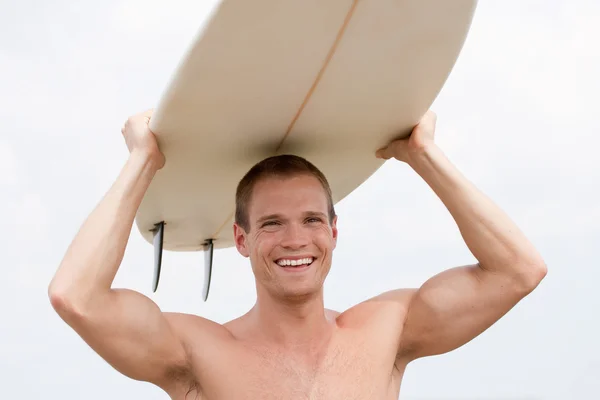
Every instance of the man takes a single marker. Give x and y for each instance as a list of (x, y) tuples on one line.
[(288, 346)]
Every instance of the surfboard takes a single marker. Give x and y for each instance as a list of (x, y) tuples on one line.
[(331, 81)]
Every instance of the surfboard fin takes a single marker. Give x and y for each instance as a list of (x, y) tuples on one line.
[(158, 231), (208, 261), (158, 238)]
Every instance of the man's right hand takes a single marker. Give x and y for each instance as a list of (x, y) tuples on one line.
[(140, 139)]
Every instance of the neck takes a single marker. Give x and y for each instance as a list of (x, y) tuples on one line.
[(294, 322)]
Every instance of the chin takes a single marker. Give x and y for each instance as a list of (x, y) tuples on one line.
[(300, 293)]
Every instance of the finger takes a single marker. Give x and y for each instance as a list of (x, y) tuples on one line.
[(433, 119), (428, 116), (430, 119), (386, 152), (380, 153)]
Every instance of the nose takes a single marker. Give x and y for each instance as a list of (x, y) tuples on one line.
[(294, 237)]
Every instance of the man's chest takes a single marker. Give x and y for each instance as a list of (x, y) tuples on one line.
[(342, 371)]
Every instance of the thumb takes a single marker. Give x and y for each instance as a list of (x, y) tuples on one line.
[(391, 150), (383, 153)]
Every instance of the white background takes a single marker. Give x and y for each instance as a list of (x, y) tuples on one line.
[(518, 116)]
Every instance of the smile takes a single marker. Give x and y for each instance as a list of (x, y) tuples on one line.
[(299, 262)]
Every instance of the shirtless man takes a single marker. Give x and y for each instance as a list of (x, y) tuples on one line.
[(288, 346)]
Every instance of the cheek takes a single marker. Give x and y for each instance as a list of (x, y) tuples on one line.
[(326, 233), (322, 237), (263, 243)]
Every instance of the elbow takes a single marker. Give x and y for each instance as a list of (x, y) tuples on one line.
[(63, 302), (531, 274), (74, 302), (60, 301)]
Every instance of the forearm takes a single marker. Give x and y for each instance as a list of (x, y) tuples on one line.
[(95, 254), (493, 238)]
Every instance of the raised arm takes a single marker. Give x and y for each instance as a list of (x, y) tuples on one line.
[(455, 306), (124, 327)]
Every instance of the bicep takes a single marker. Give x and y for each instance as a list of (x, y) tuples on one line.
[(454, 307), (130, 332)]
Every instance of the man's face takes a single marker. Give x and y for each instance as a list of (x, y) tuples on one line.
[(290, 239)]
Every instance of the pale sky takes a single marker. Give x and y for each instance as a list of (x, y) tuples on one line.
[(518, 116)]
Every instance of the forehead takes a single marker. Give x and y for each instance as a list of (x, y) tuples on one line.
[(287, 195)]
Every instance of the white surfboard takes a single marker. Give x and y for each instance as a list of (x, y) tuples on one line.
[(331, 81)]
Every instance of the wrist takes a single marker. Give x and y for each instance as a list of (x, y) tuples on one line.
[(423, 154), (147, 159)]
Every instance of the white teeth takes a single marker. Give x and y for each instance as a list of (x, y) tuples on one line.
[(295, 263)]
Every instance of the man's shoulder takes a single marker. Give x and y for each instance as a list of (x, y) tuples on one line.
[(389, 305), (401, 296), (379, 321), (188, 326)]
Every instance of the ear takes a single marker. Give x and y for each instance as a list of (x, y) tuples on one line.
[(334, 230), (239, 235)]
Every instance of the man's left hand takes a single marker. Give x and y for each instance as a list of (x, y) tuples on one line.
[(421, 137)]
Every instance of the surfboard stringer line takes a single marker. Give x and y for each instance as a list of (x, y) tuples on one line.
[(159, 228)]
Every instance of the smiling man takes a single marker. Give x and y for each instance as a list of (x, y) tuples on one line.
[(289, 346)]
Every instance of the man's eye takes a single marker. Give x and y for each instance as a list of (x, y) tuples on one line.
[(270, 223), (313, 219)]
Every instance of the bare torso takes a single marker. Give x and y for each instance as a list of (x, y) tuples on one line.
[(358, 361)]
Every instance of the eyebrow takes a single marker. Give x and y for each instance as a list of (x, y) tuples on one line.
[(279, 216), (315, 214)]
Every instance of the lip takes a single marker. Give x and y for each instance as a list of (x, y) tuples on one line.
[(295, 270)]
